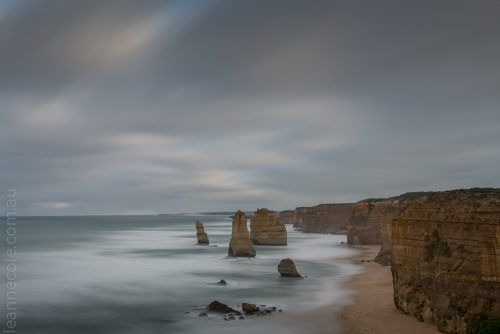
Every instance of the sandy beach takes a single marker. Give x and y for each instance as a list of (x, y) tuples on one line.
[(373, 310)]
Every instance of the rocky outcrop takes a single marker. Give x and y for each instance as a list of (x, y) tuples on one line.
[(200, 234), (323, 218), (250, 308), (218, 307), (446, 258), (266, 228), (228, 313), (286, 217), (240, 244), (287, 268)]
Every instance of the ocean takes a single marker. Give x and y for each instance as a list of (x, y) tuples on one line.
[(146, 274)]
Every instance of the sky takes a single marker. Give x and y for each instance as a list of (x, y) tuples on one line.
[(142, 107)]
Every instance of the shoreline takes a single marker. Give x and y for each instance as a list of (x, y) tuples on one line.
[(372, 308)]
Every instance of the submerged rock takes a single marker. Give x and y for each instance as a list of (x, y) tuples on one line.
[(221, 282), (250, 308), (227, 313), (200, 234), (240, 244), (218, 307), (287, 268), (266, 228)]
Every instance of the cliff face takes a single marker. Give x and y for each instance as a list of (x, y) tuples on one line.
[(286, 217), (370, 223), (364, 225), (266, 228), (323, 218), (446, 258), (200, 234), (390, 211), (240, 244)]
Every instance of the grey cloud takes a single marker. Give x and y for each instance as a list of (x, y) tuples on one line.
[(149, 106)]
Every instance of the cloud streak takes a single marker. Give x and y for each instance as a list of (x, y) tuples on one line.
[(170, 106)]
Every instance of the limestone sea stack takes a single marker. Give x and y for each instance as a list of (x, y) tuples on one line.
[(323, 218), (446, 258), (200, 234), (287, 268), (240, 244), (266, 229)]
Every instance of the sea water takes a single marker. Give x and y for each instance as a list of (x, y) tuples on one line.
[(146, 274)]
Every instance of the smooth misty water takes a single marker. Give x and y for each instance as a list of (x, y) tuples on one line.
[(141, 274)]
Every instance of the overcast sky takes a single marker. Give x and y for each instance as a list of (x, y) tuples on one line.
[(119, 107)]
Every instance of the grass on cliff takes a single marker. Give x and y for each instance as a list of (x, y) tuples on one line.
[(475, 193), (488, 327)]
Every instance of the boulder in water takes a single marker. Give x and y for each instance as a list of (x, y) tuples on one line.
[(287, 268), (218, 307)]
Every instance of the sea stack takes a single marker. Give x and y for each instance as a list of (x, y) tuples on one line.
[(287, 268), (200, 234), (446, 259), (266, 229), (240, 244)]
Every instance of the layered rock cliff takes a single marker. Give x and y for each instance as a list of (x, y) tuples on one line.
[(446, 258), (286, 217), (363, 227), (240, 244), (200, 234), (371, 222), (266, 228), (389, 211), (323, 218)]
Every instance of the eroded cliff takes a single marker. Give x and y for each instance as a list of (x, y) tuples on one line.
[(266, 228), (446, 260), (323, 218), (286, 217)]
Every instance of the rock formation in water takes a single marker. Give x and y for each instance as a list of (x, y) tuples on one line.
[(287, 268), (200, 234), (240, 244), (218, 307), (266, 228), (323, 218), (286, 217), (446, 258)]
